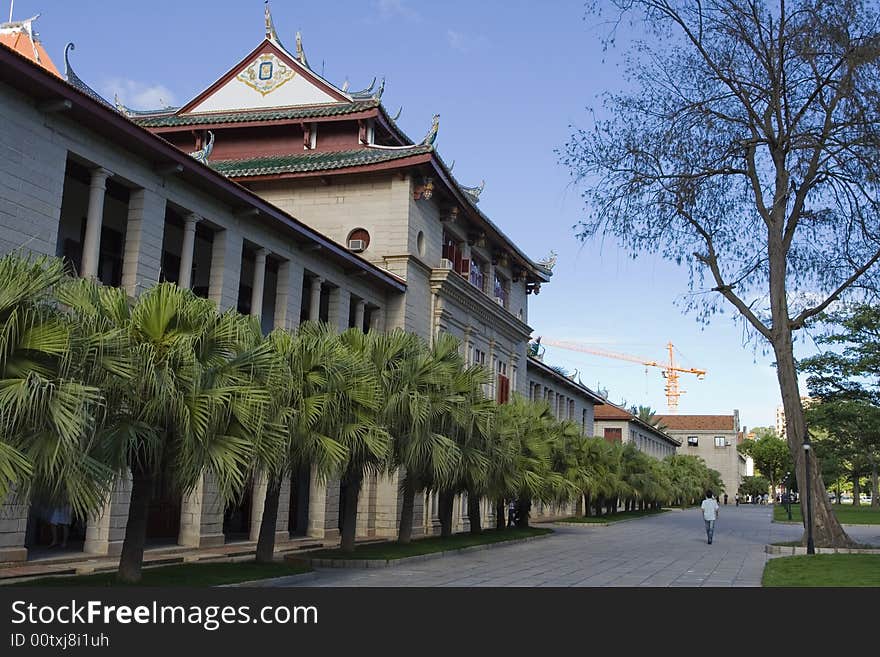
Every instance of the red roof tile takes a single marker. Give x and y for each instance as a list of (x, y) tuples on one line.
[(697, 422)]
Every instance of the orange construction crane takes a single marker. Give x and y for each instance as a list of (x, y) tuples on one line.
[(670, 370)]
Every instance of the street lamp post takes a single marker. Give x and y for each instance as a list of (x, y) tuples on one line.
[(810, 548)]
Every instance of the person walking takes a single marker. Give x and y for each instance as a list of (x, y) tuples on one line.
[(511, 513), (725, 499), (709, 507), (736, 497)]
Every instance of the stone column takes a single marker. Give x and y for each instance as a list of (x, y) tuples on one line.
[(13, 527), (201, 516), (259, 282), (186, 250), (94, 219), (359, 315), (225, 268), (144, 233), (323, 508), (105, 530), (377, 320), (340, 304), (315, 298), (288, 296)]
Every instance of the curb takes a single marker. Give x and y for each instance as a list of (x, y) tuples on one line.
[(792, 550), (587, 525), (391, 563), (284, 580), (845, 524)]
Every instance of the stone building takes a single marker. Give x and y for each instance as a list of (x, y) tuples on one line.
[(276, 193), (713, 438), (618, 425)]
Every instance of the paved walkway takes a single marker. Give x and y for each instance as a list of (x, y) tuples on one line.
[(665, 550)]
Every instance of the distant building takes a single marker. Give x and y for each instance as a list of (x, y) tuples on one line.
[(780, 415), (616, 424), (713, 438)]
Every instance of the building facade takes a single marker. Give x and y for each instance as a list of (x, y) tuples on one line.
[(618, 425), (714, 439), (281, 195)]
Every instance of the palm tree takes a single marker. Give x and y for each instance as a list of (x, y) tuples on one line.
[(313, 392), (356, 423), (416, 391), (50, 371), (527, 429), (193, 404), (649, 416), (468, 424)]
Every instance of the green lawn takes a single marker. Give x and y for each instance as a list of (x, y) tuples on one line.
[(846, 514), (390, 550), (614, 517), (188, 574), (823, 570)]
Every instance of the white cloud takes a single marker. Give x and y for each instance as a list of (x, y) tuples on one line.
[(138, 95), (393, 8), (462, 42)]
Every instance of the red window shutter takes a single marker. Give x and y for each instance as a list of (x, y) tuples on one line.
[(613, 435), (503, 389)]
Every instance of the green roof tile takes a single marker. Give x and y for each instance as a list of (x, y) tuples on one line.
[(262, 166), (248, 116)]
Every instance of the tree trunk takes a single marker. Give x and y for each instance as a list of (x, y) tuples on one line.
[(587, 502), (874, 482), (473, 508), (857, 491), (404, 533), (827, 531), (266, 539), (132, 558), (353, 481), (600, 503), (499, 513), (523, 508), (445, 504)]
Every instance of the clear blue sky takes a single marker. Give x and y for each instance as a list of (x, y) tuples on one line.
[(508, 79)]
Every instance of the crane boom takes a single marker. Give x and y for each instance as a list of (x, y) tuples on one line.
[(670, 370)]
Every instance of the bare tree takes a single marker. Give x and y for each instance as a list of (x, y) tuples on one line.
[(747, 150)]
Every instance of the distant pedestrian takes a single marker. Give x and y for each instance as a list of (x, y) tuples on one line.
[(709, 508), (765, 498), (736, 497), (725, 499), (511, 513)]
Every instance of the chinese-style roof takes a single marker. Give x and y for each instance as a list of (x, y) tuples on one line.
[(21, 37), (254, 116), (312, 162), (30, 78), (698, 422)]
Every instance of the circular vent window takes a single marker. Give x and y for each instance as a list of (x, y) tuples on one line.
[(358, 240)]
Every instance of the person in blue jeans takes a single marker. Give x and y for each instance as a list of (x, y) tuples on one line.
[(710, 514)]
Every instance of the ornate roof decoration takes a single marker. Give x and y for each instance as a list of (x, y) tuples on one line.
[(363, 94), (133, 113), (397, 116), (432, 133), (474, 192), (21, 37), (74, 79), (204, 152), (549, 262), (452, 166), (300, 53), (344, 86)]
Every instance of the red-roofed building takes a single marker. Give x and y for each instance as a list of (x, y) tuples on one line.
[(616, 424), (713, 438)]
